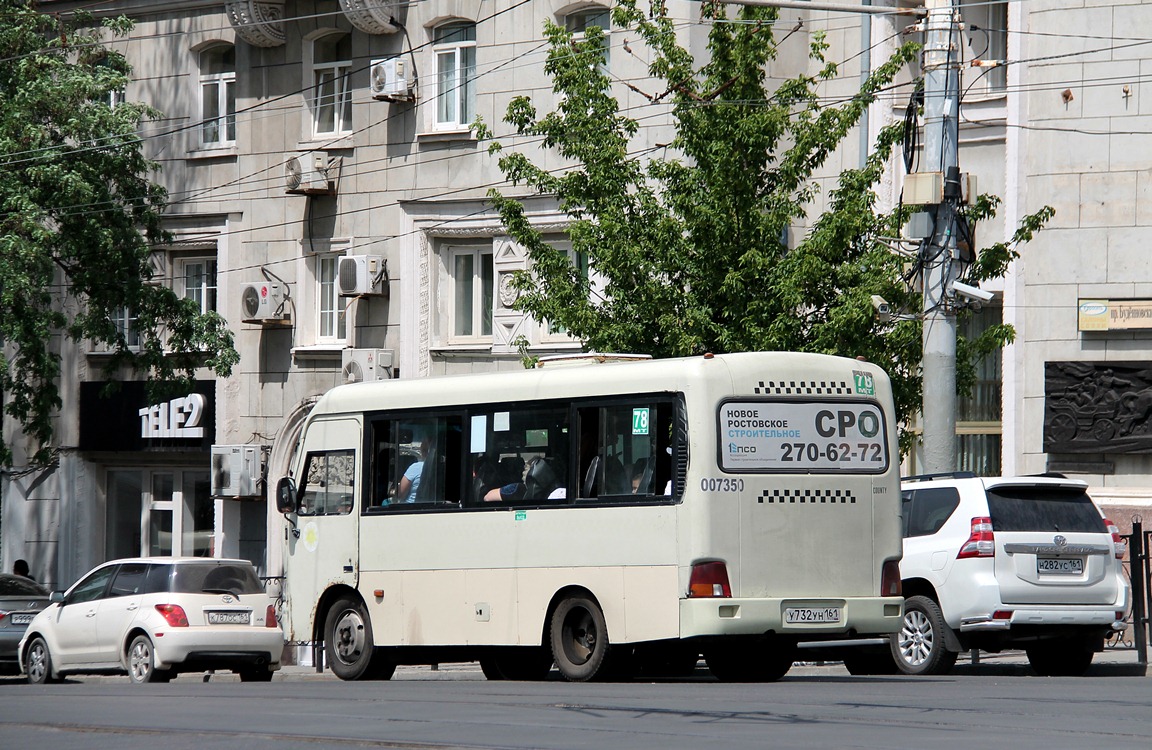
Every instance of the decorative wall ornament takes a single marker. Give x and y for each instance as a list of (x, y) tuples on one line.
[(1098, 407), (261, 24), (371, 16), (508, 291)]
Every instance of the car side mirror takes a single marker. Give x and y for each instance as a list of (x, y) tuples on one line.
[(286, 495), (56, 597)]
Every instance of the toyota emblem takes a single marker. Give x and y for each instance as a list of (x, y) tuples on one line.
[(227, 598), (1060, 540)]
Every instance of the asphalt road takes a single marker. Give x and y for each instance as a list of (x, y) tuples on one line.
[(994, 704)]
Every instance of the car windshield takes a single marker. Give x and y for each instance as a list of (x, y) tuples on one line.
[(20, 586), (1063, 509), (197, 578)]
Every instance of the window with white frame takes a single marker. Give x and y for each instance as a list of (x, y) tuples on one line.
[(198, 276), (470, 285), (332, 89), (332, 325), (218, 96), (986, 30), (124, 319), (454, 49), (578, 22), (554, 332)]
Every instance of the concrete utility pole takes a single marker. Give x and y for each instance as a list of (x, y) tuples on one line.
[(938, 253)]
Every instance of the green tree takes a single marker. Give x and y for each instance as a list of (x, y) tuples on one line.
[(691, 248), (78, 219)]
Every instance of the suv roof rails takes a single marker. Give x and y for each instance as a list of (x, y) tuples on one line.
[(939, 475), (1049, 475)]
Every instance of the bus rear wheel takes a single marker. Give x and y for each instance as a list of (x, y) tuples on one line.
[(579, 638), (348, 645)]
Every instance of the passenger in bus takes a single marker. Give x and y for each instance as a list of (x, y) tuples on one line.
[(543, 480), (410, 482)]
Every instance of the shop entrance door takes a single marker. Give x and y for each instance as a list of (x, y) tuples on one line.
[(159, 512)]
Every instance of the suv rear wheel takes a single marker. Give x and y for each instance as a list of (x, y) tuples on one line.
[(919, 646)]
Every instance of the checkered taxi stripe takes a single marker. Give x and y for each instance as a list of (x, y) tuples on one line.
[(810, 497), (803, 388)]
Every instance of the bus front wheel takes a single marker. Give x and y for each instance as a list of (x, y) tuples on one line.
[(348, 645), (579, 638)]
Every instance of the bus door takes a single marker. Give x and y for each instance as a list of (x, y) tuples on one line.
[(323, 548)]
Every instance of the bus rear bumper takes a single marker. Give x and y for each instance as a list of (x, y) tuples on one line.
[(807, 619)]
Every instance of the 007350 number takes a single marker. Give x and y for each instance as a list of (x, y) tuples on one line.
[(721, 484), (832, 452)]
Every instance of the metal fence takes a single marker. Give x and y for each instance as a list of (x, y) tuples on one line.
[(1141, 576)]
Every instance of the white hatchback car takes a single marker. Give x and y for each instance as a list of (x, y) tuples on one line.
[(155, 617), (998, 563)]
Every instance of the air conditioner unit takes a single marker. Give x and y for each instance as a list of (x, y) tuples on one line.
[(362, 365), (390, 80), (263, 302), (362, 274), (312, 175), (237, 470)]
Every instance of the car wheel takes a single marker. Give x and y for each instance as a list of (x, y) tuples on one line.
[(259, 674), (521, 663), (867, 662), (348, 645), (142, 662), (1063, 657), (38, 662), (919, 646), (579, 637), (763, 662)]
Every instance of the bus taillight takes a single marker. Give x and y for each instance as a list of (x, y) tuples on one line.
[(709, 579), (890, 584)]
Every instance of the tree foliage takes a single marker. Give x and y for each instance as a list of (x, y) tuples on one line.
[(79, 216), (690, 245)]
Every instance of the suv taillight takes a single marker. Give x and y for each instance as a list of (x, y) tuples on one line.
[(890, 584), (981, 543), (173, 614), (709, 579), (1119, 545), (270, 617)]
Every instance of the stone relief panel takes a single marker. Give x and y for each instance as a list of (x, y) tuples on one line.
[(1098, 407)]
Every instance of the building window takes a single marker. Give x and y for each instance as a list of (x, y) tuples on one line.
[(218, 96), (332, 91), (986, 31), (554, 332), (125, 321), (579, 22), (332, 326), (454, 47), (979, 414), (199, 279), (471, 280)]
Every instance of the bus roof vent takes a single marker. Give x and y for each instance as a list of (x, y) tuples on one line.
[(588, 358)]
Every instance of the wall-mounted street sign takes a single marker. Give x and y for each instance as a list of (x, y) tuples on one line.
[(1114, 314)]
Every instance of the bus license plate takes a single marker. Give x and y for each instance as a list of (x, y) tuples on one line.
[(229, 618), (1060, 566), (795, 615)]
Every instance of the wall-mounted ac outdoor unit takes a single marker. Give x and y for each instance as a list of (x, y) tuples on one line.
[(362, 365), (362, 274), (390, 80), (237, 470), (312, 174), (263, 302)]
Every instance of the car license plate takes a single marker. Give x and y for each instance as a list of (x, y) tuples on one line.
[(1060, 565), (22, 618), (229, 618), (794, 615)]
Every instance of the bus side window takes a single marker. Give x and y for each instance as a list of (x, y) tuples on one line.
[(328, 483)]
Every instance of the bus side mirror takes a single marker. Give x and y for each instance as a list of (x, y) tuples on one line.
[(286, 495)]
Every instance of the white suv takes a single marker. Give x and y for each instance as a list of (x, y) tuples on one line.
[(1014, 562)]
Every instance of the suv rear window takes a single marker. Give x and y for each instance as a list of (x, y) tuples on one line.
[(1063, 509), (197, 578)]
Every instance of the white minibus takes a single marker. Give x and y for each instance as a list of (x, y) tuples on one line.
[(606, 517)]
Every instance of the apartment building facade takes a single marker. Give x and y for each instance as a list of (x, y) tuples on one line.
[(328, 198)]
